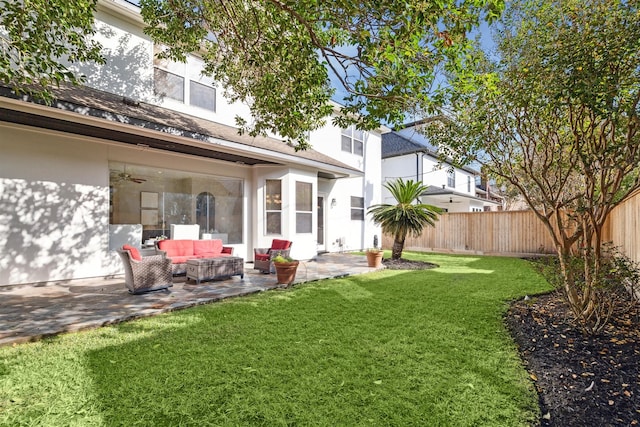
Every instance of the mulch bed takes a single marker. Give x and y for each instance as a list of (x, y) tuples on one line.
[(405, 264), (581, 380)]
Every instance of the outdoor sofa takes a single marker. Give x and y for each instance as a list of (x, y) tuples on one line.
[(180, 251)]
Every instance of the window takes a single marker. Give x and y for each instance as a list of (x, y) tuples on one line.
[(202, 96), (451, 179), (468, 184), (164, 200), (352, 141), (206, 212), (304, 198), (168, 84), (170, 80), (357, 208), (273, 206)]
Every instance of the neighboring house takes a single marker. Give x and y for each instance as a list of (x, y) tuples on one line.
[(488, 191), (147, 144), (407, 154)]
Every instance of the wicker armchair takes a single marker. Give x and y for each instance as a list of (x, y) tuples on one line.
[(145, 274), (262, 256)]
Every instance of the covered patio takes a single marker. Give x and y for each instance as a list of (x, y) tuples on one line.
[(33, 311)]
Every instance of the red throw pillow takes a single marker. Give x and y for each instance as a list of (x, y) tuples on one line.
[(133, 251)]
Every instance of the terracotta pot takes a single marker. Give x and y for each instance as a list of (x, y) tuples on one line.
[(374, 258), (286, 271)]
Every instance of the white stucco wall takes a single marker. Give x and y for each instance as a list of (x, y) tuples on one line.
[(128, 71), (427, 169), (54, 202), (54, 187), (343, 233)]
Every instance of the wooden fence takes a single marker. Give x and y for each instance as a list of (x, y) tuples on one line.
[(508, 233), (622, 227), (516, 233)]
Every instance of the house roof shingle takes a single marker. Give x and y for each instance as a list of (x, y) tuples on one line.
[(114, 108), (395, 144)]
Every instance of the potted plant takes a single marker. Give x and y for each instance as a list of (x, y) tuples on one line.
[(286, 268), (374, 257)]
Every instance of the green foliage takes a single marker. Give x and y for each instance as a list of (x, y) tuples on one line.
[(278, 56), (389, 348), (281, 258), (408, 216), (556, 115), (618, 278), (38, 37)]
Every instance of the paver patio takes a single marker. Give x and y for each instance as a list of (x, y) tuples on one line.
[(32, 311)]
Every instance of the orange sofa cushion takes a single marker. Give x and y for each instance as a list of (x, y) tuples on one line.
[(176, 248), (207, 247), (180, 259), (133, 251)]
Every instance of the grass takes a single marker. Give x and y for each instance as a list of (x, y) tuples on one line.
[(425, 348)]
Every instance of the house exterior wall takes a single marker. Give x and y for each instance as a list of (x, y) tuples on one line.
[(129, 66), (128, 52), (54, 202), (427, 169), (343, 233), (54, 197), (54, 186)]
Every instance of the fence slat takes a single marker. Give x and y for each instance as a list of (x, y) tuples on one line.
[(517, 232)]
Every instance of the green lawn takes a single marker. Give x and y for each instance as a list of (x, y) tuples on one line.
[(392, 348)]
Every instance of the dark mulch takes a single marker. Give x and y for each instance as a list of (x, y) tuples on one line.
[(406, 264), (581, 380)]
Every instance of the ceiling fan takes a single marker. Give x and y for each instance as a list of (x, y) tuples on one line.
[(118, 177)]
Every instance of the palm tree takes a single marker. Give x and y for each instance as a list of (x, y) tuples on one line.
[(409, 215)]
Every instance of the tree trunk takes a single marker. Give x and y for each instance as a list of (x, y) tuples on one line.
[(398, 246)]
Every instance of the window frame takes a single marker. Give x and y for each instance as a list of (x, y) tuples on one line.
[(205, 86), (355, 138), (451, 179), (304, 208), (357, 210), (185, 72), (269, 211), (164, 94)]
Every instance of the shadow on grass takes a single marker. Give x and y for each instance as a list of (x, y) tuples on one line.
[(394, 347)]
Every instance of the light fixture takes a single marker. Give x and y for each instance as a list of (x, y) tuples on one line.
[(333, 203)]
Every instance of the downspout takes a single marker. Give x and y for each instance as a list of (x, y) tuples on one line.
[(419, 155)]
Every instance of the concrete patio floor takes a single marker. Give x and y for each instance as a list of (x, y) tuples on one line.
[(32, 311)]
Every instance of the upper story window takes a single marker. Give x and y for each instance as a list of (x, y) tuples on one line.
[(468, 184), (357, 208), (451, 179), (202, 96), (353, 141), (168, 84), (169, 79)]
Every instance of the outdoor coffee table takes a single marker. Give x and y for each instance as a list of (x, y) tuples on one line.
[(202, 269)]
